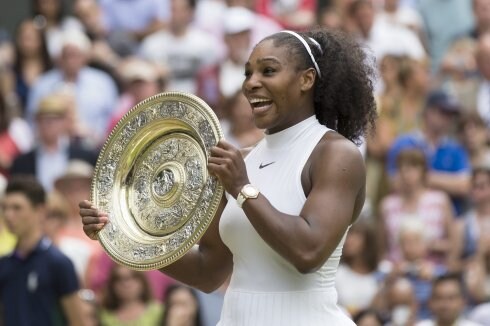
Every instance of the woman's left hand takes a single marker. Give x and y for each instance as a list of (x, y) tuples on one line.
[(227, 164)]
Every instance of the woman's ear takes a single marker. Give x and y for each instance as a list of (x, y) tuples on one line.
[(307, 79)]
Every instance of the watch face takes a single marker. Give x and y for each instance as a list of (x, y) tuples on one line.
[(250, 191)]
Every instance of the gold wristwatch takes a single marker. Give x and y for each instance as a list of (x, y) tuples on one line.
[(248, 192)]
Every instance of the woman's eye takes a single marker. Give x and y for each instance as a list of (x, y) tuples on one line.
[(247, 73), (268, 71)]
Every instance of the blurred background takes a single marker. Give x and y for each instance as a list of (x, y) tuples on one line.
[(420, 253)]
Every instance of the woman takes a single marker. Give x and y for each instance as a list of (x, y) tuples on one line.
[(282, 244), (181, 307), (128, 300), (32, 58), (415, 200)]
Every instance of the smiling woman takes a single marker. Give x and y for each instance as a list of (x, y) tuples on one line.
[(280, 228)]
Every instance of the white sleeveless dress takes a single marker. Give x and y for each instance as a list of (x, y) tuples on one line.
[(265, 289)]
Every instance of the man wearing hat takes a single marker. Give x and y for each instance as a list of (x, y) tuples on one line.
[(449, 165), (54, 148), (95, 91)]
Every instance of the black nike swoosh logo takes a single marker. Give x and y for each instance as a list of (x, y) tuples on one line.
[(261, 166)]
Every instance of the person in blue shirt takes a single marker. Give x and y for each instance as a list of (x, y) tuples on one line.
[(38, 284), (449, 164)]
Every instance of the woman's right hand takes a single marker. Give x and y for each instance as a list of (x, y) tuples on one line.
[(93, 220)]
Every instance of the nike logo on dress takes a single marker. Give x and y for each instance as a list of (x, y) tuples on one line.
[(261, 166)]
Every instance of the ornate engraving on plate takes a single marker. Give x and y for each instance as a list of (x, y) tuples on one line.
[(163, 182), (151, 178)]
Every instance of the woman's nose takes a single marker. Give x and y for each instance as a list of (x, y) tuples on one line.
[(251, 83)]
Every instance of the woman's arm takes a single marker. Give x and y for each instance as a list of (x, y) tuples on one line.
[(205, 267), (337, 176)]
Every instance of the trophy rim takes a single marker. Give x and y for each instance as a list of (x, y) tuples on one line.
[(186, 98)]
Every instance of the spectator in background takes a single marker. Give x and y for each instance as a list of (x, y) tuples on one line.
[(447, 302), (381, 38), (128, 300), (31, 58), (415, 264), (49, 158), (51, 18), (72, 185), (473, 236), (458, 72), (444, 21), (447, 160), (414, 200), (394, 14), (396, 302), (38, 284), (141, 79), (217, 83), (15, 137), (483, 95), (182, 48), (475, 136), (329, 17), (128, 22), (400, 112), (182, 307), (95, 91), (102, 54), (99, 276), (406, 113), (358, 268)]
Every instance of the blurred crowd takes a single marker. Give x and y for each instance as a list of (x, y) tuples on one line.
[(420, 254)]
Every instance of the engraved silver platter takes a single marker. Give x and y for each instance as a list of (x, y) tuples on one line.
[(152, 180)]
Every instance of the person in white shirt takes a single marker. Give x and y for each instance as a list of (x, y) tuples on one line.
[(383, 38), (182, 47)]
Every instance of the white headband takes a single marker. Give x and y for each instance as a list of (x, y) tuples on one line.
[(308, 49)]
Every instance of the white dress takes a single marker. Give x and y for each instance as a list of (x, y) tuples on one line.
[(265, 289)]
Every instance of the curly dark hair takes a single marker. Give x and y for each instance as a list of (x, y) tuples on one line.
[(343, 96)]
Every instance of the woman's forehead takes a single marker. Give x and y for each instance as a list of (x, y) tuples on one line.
[(267, 49)]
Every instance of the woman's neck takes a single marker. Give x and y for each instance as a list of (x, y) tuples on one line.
[(411, 194)]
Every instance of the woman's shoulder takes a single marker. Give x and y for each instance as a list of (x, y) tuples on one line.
[(336, 148), (336, 160)]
